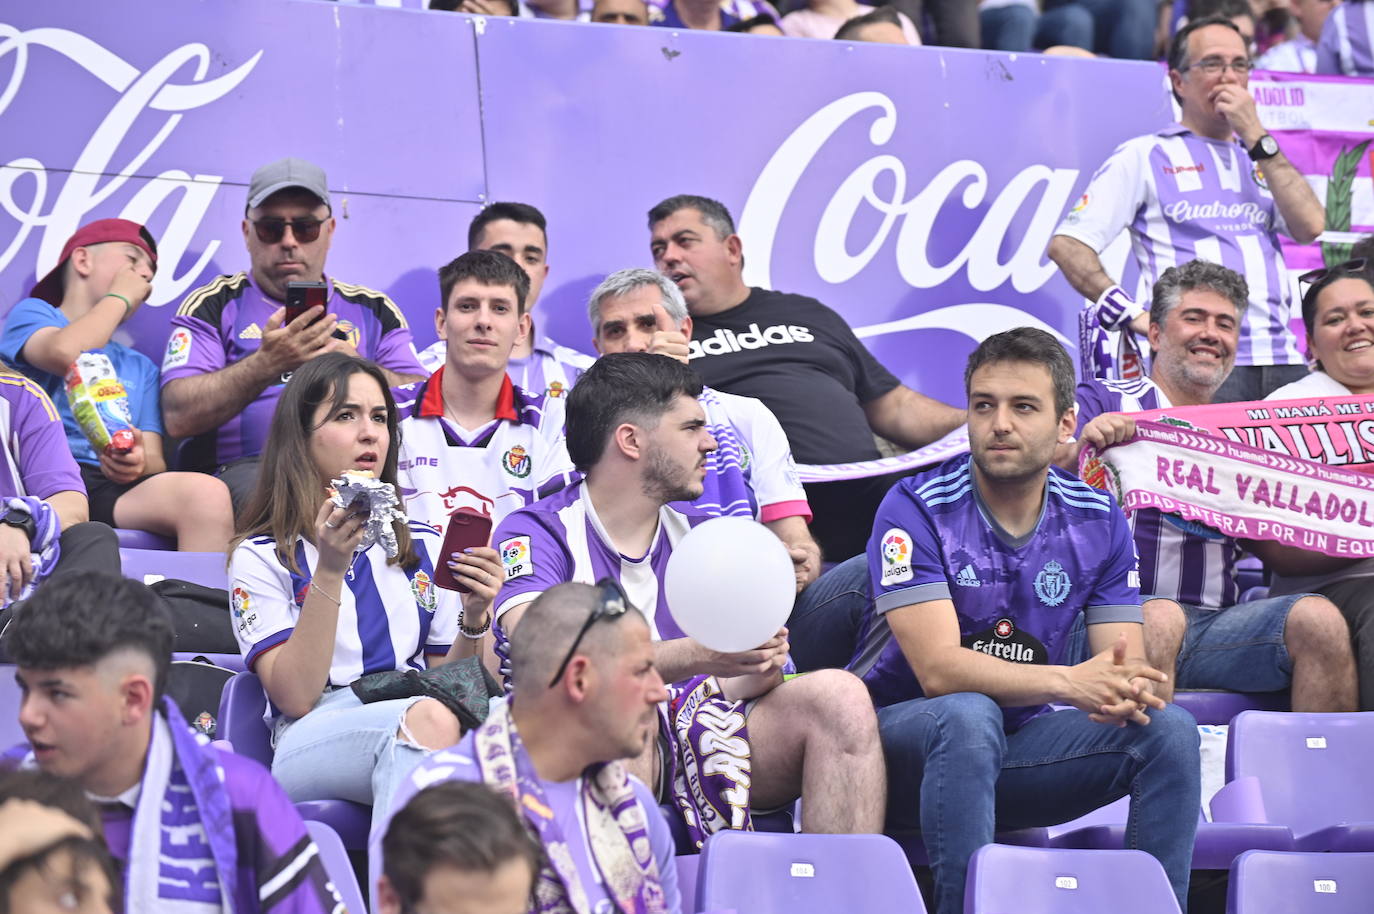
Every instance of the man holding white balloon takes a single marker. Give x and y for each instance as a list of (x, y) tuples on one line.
[(637, 432), (750, 474), (980, 568)]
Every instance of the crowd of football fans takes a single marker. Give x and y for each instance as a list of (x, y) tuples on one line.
[(448, 565)]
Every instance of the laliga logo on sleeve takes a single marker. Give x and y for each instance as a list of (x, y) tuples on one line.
[(241, 608), (516, 557), (1052, 584), (178, 349), (896, 556)]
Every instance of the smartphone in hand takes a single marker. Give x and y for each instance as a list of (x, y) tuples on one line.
[(302, 296), (466, 529)]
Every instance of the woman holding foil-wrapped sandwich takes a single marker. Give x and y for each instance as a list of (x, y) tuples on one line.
[(330, 583)]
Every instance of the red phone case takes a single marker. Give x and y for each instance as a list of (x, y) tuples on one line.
[(466, 529), (310, 295)]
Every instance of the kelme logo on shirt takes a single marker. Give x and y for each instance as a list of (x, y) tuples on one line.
[(1052, 584), (1005, 642), (517, 558), (896, 547), (178, 349), (422, 588), (516, 462), (724, 342)]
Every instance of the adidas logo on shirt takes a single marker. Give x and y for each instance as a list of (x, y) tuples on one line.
[(723, 341), (251, 332), (967, 577)]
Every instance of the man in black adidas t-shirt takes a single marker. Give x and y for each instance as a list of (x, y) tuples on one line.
[(797, 356)]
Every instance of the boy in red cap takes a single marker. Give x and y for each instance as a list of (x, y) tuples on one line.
[(101, 279)]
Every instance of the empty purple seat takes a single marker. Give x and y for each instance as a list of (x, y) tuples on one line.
[(336, 864), (1311, 771), (1216, 844), (805, 874), (1213, 707), (151, 565), (1266, 882), (687, 866), (142, 539), (1040, 880), (241, 708)]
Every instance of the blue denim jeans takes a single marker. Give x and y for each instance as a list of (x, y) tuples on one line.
[(826, 616), (955, 775), (346, 750)]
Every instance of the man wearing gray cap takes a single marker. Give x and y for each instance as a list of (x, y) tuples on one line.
[(232, 347)]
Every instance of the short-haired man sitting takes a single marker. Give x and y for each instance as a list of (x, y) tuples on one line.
[(980, 568), (457, 846), (638, 432), (194, 828), (470, 438), (587, 695), (1208, 639)]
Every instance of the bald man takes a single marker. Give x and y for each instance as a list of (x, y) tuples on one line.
[(587, 696)]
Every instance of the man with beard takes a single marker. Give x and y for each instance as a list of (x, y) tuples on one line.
[(979, 569), (1297, 640), (637, 431)]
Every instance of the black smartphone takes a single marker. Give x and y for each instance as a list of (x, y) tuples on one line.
[(302, 296), (466, 529)]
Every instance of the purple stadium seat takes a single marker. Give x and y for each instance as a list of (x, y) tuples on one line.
[(11, 734), (805, 874), (687, 866), (1311, 772), (150, 565), (241, 709), (1216, 844), (142, 539), (1265, 882), (1038, 880), (336, 864), (1213, 707), (775, 822)]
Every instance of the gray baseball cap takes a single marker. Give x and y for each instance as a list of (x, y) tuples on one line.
[(284, 173)]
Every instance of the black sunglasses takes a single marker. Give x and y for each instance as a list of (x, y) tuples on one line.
[(271, 231), (1312, 277), (611, 604)]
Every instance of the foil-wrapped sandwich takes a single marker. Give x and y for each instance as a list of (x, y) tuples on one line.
[(383, 505)]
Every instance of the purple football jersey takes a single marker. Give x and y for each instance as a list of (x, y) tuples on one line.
[(1346, 46), (1016, 597), (221, 323)]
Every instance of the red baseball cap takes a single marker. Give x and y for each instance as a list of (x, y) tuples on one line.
[(49, 288)]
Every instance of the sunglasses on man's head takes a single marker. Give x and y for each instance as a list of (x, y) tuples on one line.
[(1311, 277), (611, 604), (271, 231)]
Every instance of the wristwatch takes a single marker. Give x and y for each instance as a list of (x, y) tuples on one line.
[(23, 520), (1266, 147)]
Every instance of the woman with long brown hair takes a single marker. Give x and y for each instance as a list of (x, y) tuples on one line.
[(313, 613)]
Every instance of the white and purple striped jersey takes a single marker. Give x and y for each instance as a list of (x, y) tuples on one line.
[(515, 459), (1181, 560), (1184, 197), (1016, 597), (1296, 55), (751, 472), (1346, 46), (388, 617), (560, 538)]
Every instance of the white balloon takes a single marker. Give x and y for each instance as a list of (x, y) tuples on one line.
[(730, 584)]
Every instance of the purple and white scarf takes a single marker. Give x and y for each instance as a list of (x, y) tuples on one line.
[(709, 766), (617, 831)]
